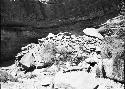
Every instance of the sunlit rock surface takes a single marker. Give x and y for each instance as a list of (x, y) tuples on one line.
[(93, 32)]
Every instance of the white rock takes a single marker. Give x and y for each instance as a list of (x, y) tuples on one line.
[(50, 35), (98, 48), (93, 32), (108, 66), (27, 59), (78, 80)]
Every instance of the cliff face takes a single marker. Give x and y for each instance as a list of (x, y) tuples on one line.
[(31, 11), (24, 21)]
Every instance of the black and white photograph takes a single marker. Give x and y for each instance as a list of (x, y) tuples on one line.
[(62, 44)]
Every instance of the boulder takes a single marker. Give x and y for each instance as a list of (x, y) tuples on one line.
[(27, 60), (93, 32), (75, 80)]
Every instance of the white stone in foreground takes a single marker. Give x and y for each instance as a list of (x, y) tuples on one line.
[(76, 80)]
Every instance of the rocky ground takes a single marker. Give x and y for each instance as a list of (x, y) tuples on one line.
[(69, 80)]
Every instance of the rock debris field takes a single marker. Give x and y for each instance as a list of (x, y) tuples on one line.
[(66, 61)]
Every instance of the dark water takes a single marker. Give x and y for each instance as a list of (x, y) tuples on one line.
[(12, 39)]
